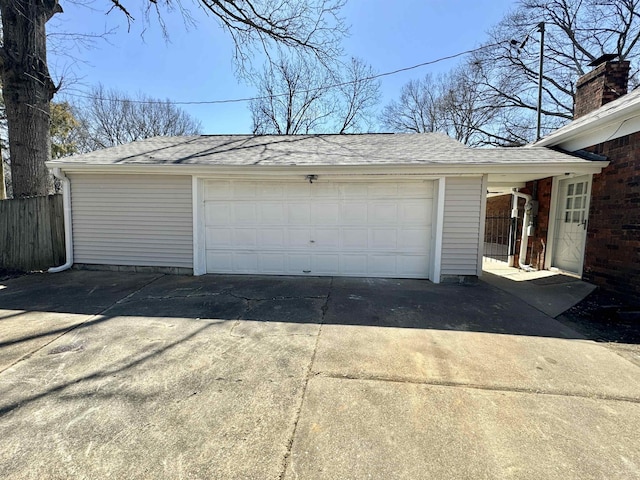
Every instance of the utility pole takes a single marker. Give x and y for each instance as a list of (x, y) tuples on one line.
[(540, 70)]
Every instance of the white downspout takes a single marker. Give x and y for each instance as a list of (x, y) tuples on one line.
[(524, 242), (66, 206)]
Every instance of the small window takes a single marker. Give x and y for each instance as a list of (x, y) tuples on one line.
[(579, 188), (569, 203), (577, 203), (567, 217), (576, 216), (570, 192)]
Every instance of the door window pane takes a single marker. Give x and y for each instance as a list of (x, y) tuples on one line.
[(570, 192), (577, 203), (579, 188)]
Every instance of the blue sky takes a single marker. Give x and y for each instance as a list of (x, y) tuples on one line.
[(195, 64)]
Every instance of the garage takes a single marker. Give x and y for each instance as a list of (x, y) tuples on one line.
[(366, 205), (374, 229)]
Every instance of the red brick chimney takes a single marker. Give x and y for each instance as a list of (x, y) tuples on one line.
[(606, 82)]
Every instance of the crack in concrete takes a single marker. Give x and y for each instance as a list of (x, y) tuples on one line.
[(475, 386), (253, 299), (287, 455), (85, 321)]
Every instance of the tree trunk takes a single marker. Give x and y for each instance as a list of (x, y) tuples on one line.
[(27, 89)]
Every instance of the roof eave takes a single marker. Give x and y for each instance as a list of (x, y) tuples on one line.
[(600, 129), (545, 169)]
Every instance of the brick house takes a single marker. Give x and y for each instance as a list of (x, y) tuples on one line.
[(589, 225)]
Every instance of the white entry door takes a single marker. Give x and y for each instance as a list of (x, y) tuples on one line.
[(572, 215), (380, 229)]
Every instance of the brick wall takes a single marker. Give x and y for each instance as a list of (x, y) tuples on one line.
[(499, 205), (612, 257), (536, 249), (600, 86)]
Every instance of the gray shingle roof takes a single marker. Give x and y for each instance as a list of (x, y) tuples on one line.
[(284, 150)]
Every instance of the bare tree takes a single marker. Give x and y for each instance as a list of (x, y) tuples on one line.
[(448, 103), (311, 26), (305, 96), (577, 32), (292, 98), (110, 117), (418, 110), (358, 93)]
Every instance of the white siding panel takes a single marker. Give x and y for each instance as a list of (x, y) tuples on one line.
[(141, 220), (463, 200)]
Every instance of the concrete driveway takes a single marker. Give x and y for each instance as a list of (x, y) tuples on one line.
[(151, 376)]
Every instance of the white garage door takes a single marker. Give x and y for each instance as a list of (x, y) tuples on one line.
[(324, 228)]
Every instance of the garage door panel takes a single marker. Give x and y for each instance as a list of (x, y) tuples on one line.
[(245, 237), (220, 237), (274, 263), (295, 190), (383, 264), (298, 263), (244, 214), (412, 239), (272, 238), (243, 190), (223, 261), (217, 214), (321, 189), (355, 213), (383, 190), (415, 212), (245, 262), (299, 237), (324, 238), (325, 213), (218, 190), (325, 264), (383, 238), (417, 189), (354, 264), (299, 214), (355, 238), (325, 228), (413, 264), (270, 191), (385, 213), (354, 190), (272, 213)]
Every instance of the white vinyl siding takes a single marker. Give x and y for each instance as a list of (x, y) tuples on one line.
[(461, 226), (141, 220)]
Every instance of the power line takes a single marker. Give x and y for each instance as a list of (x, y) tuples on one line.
[(264, 97)]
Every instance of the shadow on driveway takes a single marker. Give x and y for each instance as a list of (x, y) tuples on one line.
[(396, 303)]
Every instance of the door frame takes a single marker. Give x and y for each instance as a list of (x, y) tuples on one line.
[(553, 214)]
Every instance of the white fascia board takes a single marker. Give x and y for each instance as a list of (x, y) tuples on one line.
[(598, 130), (544, 169), (601, 135)]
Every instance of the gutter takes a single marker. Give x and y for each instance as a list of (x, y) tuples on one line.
[(602, 121), (66, 205), (526, 220)]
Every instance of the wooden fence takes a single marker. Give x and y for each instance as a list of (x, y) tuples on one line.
[(31, 233)]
